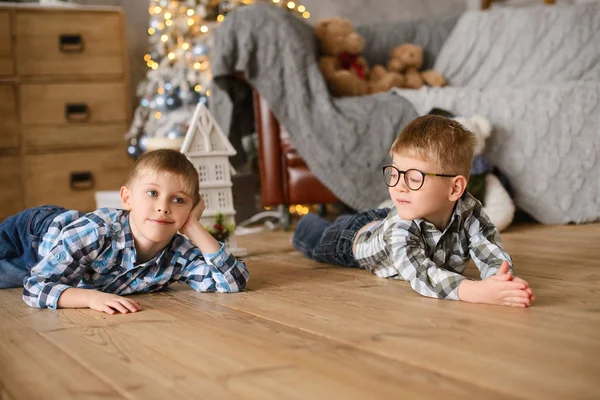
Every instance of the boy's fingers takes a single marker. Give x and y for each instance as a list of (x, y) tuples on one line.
[(517, 300), (512, 285), (129, 304), (118, 306), (520, 294), (108, 310), (503, 268), (517, 279), (514, 304)]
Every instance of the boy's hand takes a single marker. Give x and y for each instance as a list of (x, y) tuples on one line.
[(500, 289), (503, 274), (194, 216), (111, 303)]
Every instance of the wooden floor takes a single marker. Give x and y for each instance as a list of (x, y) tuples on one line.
[(304, 330)]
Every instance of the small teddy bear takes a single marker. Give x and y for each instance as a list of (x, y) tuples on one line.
[(407, 59), (484, 184), (346, 72)]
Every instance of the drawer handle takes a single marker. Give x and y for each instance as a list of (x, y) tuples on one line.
[(77, 112), (82, 180), (70, 43)]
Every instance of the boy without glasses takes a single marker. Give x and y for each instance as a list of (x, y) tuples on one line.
[(67, 259), (432, 230)]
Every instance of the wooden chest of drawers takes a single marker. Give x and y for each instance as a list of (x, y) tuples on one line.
[(64, 105)]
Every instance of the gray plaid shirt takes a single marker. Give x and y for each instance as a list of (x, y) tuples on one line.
[(432, 261)]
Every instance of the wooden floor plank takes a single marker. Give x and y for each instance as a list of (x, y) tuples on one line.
[(213, 332), (309, 330), (31, 367), (429, 333)]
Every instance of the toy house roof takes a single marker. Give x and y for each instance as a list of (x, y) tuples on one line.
[(205, 137)]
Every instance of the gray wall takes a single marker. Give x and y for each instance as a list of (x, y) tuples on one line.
[(368, 11)]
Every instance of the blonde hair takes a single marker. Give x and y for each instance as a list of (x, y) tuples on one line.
[(173, 162), (439, 139)]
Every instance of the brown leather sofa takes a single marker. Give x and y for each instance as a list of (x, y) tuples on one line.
[(285, 178)]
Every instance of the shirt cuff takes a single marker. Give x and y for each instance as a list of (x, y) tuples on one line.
[(211, 257), (50, 294), (453, 295)]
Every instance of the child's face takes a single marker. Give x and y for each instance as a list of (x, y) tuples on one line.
[(434, 201), (159, 206)]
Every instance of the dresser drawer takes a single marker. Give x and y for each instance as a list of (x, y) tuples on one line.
[(9, 123), (68, 43), (73, 103), (72, 136), (6, 57), (11, 194), (71, 179)]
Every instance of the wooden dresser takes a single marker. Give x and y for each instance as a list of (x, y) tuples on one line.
[(64, 105)]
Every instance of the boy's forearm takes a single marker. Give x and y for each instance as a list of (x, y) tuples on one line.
[(468, 291), (76, 298), (201, 238)]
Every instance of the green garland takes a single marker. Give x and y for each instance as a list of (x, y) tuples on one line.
[(220, 230)]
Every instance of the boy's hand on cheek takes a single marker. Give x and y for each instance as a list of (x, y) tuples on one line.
[(111, 303), (194, 216)]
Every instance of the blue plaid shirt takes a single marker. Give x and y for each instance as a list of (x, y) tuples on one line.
[(96, 251)]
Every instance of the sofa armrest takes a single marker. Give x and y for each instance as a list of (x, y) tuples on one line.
[(269, 153)]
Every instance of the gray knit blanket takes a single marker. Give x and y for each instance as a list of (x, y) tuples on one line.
[(344, 141), (535, 73)]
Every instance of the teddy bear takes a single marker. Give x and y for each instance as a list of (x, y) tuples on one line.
[(407, 59), (346, 72), (485, 182)]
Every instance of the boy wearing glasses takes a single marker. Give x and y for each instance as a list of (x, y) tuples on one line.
[(432, 231)]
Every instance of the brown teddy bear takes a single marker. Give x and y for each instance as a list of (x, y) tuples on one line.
[(407, 59), (347, 73)]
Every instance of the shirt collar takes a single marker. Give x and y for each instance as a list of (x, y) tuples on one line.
[(463, 206)]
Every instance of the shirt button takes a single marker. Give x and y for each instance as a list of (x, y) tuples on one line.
[(116, 227), (57, 256), (129, 274)]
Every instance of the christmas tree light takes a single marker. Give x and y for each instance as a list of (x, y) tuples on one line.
[(180, 35)]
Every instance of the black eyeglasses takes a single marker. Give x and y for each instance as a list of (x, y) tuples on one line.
[(413, 178)]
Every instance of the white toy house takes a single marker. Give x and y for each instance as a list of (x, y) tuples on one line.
[(209, 150)]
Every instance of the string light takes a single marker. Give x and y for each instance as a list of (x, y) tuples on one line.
[(171, 56), (291, 5), (157, 10), (204, 29), (301, 8), (190, 12), (167, 15), (151, 31), (185, 46), (220, 17)]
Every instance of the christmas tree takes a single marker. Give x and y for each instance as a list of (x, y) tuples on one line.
[(180, 34)]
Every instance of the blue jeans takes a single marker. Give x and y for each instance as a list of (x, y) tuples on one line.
[(20, 236), (331, 242)]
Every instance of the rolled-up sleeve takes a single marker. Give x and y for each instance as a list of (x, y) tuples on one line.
[(64, 265), (219, 271)]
